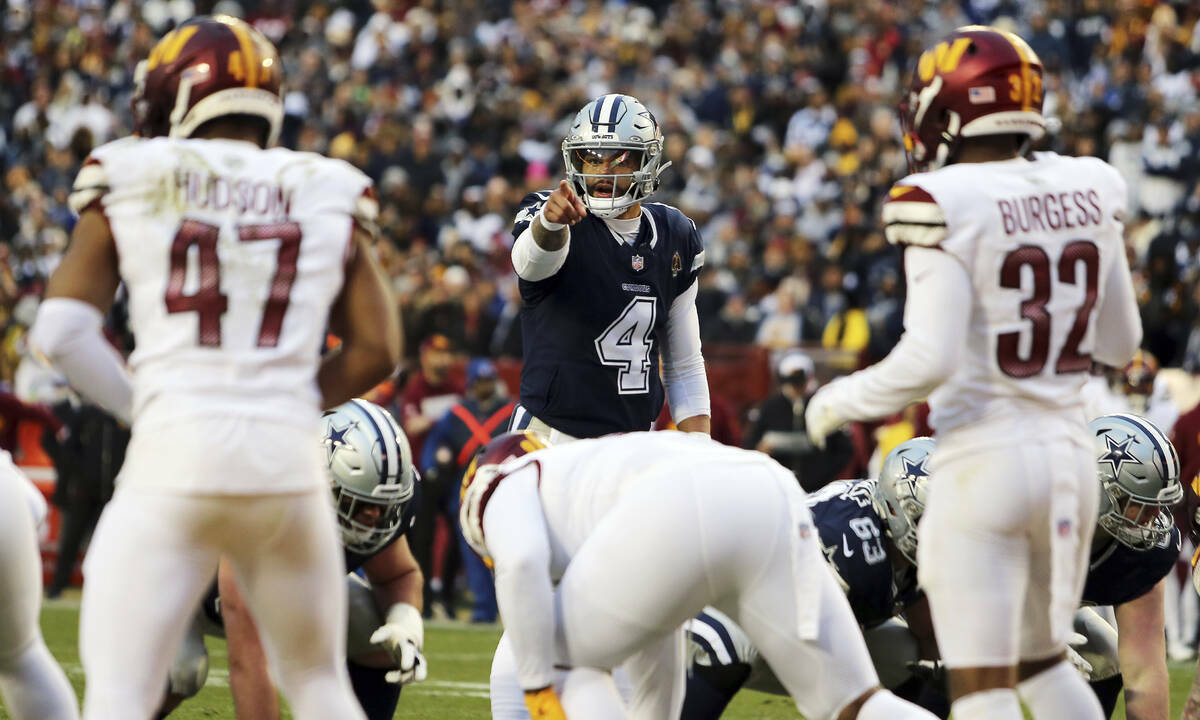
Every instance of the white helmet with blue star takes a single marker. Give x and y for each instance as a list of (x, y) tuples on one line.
[(610, 132), (902, 490), (371, 473), (1139, 478)]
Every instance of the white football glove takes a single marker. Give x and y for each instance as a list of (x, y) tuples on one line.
[(1083, 666), (820, 419), (402, 636)]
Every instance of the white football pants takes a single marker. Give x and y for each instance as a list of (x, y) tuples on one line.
[(32, 684), (153, 556), (738, 538), (1003, 551)]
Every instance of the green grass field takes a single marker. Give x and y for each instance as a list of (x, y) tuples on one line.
[(459, 656)]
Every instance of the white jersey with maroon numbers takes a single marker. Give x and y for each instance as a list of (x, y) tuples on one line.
[(232, 256), (1040, 240)]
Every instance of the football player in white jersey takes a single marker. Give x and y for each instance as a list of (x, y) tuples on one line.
[(1017, 278), (236, 259), (641, 531), (32, 685)]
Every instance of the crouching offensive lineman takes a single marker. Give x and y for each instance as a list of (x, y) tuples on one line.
[(641, 531)]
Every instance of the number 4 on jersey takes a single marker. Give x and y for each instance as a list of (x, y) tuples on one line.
[(626, 343)]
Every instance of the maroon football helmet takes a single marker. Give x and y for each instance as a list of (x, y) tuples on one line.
[(503, 447), (208, 67), (480, 480), (976, 81)]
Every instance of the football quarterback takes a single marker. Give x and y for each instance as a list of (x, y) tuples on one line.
[(609, 284), (236, 258), (1017, 278)]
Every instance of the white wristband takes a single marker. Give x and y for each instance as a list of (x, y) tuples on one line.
[(551, 226)]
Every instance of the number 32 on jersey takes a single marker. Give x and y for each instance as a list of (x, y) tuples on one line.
[(625, 344)]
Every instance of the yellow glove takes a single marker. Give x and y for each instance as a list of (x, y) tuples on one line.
[(544, 705)]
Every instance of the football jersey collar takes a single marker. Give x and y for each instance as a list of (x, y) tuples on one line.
[(627, 232)]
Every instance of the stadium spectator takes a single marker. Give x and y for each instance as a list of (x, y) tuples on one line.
[(450, 447)]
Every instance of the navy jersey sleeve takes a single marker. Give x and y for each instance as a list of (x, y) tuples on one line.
[(530, 206), (695, 250), (852, 538), (687, 249)]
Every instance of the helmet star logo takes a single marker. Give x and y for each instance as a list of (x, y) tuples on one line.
[(335, 439), (1118, 454), (915, 469)]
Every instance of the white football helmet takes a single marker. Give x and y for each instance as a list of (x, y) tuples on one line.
[(370, 473), (611, 126), (1139, 479), (902, 490)]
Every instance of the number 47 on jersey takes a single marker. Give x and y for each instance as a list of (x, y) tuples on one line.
[(208, 301)]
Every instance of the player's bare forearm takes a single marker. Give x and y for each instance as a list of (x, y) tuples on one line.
[(1150, 705), (88, 269), (367, 320), (395, 576), (548, 239), (254, 696), (696, 423), (349, 372), (1142, 652)]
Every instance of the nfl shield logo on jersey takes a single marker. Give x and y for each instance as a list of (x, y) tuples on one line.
[(638, 263)]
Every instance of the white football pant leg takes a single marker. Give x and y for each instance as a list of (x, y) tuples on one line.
[(586, 693), (670, 547), (990, 540), (145, 573), (32, 684), (294, 583)]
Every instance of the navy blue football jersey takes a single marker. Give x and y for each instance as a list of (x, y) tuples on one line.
[(591, 333), (852, 535), (1119, 574)]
